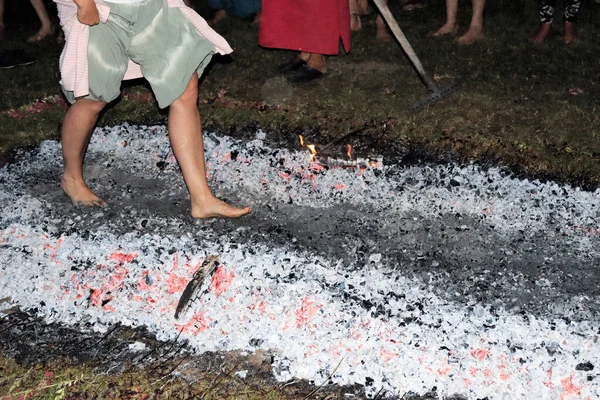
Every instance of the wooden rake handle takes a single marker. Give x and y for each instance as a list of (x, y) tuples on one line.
[(399, 35)]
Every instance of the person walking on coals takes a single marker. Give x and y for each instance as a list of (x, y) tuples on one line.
[(547, 8), (164, 41)]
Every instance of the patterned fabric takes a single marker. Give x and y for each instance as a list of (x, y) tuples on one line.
[(547, 8)]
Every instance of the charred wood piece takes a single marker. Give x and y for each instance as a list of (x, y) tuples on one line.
[(196, 286)]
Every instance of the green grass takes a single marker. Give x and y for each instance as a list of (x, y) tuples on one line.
[(62, 379), (519, 107)]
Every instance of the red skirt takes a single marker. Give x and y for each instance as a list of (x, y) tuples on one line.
[(312, 26)]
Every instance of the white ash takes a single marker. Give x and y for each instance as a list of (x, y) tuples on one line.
[(137, 346), (361, 324), (265, 175)]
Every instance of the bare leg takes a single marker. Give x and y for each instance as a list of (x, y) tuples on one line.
[(475, 31), (2, 31), (47, 28), (355, 23), (305, 56), (219, 16), (542, 33), (451, 26), (256, 20), (76, 132), (185, 134), (363, 7), (317, 61), (571, 32), (383, 33)]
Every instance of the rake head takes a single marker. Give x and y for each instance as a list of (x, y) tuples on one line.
[(436, 94)]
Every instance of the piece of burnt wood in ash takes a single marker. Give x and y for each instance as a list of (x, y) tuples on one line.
[(194, 288), (357, 163)]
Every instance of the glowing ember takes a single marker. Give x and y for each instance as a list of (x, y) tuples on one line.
[(349, 152)]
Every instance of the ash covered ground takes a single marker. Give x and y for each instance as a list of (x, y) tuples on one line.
[(399, 278)]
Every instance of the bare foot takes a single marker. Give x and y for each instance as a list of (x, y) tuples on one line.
[(43, 33), (213, 207), (80, 193), (218, 17), (355, 23), (542, 33), (446, 29), (383, 33), (571, 32), (363, 7), (316, 61), (470, 37), (256, 21)]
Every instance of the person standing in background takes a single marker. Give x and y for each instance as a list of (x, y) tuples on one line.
[(547, 8), (313, 28), (475, 31)]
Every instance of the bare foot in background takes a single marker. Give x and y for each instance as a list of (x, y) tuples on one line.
[(383, 33), (42, 34), (473, 35), (542, 33), (256, 21), (363, 7), (571, 32), (355, 22), (446, 29), (218, 17)]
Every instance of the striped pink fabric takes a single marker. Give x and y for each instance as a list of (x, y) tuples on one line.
[(74, 62)]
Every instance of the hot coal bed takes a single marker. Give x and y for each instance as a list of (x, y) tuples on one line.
[(397, 278)]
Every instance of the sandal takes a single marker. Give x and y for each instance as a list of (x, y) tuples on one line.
[(292, 65), (306, 74)]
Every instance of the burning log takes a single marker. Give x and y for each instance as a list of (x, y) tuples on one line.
[(196, 286), (359, 163), (326, 161)]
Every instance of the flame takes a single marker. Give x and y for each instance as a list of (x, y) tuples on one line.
[(310, 147), (349, 152), (313, 151)]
